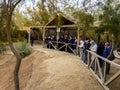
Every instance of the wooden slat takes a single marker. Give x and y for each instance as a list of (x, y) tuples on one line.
[(91, 62), (104, 72), (71, 49), (53, 26), (88, 60), (95, 62), (61, 47), (104, 86), (112, 78), (66, 47), (52, 45), (99, 69)]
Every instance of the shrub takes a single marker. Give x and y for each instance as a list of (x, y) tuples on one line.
[(2, 48), (23, 48)]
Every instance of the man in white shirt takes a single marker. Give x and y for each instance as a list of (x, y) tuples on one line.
[(93, 46), (81, 47)]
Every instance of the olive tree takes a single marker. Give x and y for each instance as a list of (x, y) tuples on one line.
[(8, 6)]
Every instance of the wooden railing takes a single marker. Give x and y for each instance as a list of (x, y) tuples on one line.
[(60, 45), (100, 72)]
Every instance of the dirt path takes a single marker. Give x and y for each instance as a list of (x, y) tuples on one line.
[(47, 69)]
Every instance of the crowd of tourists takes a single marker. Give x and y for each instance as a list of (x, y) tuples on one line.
[(102, 48), (71, 41)]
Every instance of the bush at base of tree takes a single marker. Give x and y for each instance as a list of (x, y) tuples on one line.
[(2, 48), (23, 48)]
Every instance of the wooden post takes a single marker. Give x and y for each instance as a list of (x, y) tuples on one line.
[(78, 40), (44, 37), (104, 72), (88, 59), (29, 36), (58, 30)]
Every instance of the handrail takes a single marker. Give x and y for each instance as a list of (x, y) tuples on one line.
[(66, 45), (105, 59), (100, 72)]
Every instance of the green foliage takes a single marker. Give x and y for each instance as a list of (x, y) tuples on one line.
[(2, 48), (22, 48), (110, 19), (84, 19)]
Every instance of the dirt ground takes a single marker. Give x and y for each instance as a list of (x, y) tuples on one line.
[(47, 69)]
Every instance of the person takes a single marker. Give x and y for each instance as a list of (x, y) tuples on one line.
[(100, 49), (86, 47), (71, 46), (106, 53), (26, 36), (32, 38), (75, 44), (81, 48), (93, 48)]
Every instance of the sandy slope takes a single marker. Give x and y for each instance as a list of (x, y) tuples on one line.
[(48, 69)]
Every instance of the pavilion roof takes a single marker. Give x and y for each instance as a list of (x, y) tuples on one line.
[(60, 19)]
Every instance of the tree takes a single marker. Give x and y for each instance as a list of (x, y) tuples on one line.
[(8, 7), (110, 21), (84, 20)]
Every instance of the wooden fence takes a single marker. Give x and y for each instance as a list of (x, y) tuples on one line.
[(99, 72), (60, 45)]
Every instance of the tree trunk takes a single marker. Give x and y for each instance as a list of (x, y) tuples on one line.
[(107, 37), (99, 38), (17, 55)]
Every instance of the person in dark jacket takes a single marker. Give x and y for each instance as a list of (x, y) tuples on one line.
[(100, 50), (86, 47), (60, 44), (106, 53), (32, 37), (70, 42)]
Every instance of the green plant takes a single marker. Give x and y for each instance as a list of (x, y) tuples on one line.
[(1, 48), (22, 48)]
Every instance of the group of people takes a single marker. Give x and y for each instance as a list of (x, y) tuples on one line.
[(103, 49), (71, 41)]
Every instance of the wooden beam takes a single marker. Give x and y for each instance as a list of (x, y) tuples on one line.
[(113, 78), (105, 87), (53, 26)]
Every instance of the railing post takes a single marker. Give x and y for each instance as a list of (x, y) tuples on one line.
[(88, 55), (104, 72), (95, 65), (66, 47)]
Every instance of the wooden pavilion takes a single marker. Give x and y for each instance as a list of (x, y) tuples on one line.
[(59, 25)]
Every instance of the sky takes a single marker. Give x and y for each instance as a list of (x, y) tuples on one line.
[(28, 3)]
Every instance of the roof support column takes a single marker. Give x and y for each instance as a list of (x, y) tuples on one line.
[(58, 30), (78, 40), (44, 37)]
